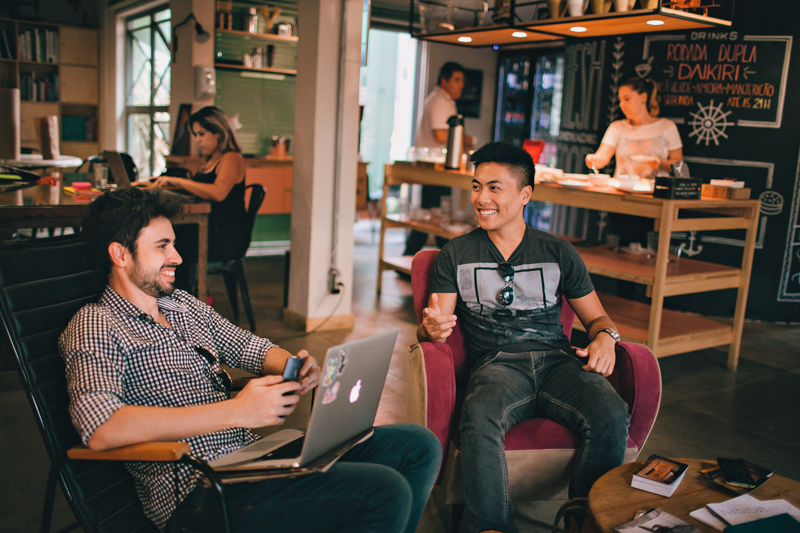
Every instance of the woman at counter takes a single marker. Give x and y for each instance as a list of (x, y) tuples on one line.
[(220, 180), (642, 143)]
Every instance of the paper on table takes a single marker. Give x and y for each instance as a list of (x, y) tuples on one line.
[(705, 516), (734, 512)]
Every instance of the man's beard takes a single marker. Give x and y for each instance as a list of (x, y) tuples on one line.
[(151, 285)]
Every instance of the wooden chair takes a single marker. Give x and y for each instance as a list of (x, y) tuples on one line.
[(539, 452), (43, 283)]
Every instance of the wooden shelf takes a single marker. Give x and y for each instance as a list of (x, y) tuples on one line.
[(559, 28), (663, 331), (678, 332), (433, 227), (284, 71), (259, 36), (685, 276), (398, 264)]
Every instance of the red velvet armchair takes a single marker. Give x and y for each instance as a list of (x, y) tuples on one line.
[(540, 453)]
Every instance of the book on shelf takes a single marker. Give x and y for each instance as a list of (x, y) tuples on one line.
[(659, 475), (5, 46), (758, 473), (656, 520)]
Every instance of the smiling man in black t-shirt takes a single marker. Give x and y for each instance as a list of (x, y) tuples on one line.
[(505, 281)]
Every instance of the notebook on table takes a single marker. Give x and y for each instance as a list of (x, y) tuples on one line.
[(351, 383)]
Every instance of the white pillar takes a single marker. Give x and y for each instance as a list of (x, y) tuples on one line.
[(314, 200), (190, 53)]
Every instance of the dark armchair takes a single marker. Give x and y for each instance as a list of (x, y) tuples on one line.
[(43, 283)]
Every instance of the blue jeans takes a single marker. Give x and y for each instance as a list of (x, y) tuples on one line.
[(381, 485), (511, 387)]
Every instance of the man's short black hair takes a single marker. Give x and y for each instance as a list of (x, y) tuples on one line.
[(119, 216), (447, 71), (517, 160)]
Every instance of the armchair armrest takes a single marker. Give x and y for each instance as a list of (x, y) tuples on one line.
[(146, 451), (432, 388), (637, 379)]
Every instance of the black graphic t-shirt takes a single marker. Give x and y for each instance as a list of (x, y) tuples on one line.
[(545, 268)]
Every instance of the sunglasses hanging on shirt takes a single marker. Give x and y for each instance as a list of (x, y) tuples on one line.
[(223, 378), (505, 296)]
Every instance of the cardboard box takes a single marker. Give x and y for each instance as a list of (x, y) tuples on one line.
[(725, 193)]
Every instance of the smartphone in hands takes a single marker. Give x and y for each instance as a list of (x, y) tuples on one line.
[(291, 372), (735, 473)]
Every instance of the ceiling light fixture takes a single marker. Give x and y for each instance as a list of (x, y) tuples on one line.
[(465, 39), (578, 29), (519, 34), (656, 22)]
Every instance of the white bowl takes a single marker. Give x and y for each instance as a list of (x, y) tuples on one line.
[(599, 180)]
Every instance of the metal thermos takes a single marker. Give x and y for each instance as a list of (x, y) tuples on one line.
[(455, 142)]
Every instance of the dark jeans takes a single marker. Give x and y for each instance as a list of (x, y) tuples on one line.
[(511, 387), (381, 485)]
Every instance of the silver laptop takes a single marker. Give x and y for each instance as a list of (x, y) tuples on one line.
[(352, 379), (118, 171)]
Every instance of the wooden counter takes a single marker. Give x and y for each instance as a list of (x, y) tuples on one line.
[(664, 332)]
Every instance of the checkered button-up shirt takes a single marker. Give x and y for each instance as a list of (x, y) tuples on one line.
[(117, 355)]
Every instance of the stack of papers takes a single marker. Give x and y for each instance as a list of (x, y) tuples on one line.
[(742, 510), (659, 475), (656, 520)]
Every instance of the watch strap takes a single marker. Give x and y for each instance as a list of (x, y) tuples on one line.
[(614, 334)]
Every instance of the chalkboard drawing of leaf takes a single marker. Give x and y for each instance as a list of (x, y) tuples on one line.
[(643, 69)]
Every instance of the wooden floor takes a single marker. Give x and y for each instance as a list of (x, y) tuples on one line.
[(706, 411)]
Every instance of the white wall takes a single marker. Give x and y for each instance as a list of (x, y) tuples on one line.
[(484, 59)]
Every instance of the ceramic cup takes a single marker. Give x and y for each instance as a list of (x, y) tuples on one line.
[(577, 8)]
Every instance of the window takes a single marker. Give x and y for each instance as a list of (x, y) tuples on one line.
[(147, 94)]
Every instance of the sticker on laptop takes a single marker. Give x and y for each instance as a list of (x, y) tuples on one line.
[(330, 394), (343, 360), (330, 371)]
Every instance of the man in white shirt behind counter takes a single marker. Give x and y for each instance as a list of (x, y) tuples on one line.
[(432, 134)]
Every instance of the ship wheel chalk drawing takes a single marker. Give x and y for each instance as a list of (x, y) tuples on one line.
[(709, 123)]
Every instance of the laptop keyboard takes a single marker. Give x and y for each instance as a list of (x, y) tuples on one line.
[(290, 450)]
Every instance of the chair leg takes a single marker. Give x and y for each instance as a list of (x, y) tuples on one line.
[(238, 269), (49, 499), (458, 514), (230, 287)]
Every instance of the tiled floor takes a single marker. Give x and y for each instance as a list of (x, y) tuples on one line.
[(706, 411)]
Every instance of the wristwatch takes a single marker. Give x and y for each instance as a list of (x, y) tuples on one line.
[(611, 332)]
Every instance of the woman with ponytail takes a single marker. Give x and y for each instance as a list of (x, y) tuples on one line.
[(642, 133)]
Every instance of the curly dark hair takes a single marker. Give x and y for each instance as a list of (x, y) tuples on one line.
[(119, 216), (517, 160)]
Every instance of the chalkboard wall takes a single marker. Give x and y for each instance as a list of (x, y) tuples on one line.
[(733, 94)]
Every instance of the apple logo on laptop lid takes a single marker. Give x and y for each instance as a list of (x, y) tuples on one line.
[(355, 391)]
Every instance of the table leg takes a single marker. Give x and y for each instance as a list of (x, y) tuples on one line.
[(202, 259)]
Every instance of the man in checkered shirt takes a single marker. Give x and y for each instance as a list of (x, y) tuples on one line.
[(143, 365)]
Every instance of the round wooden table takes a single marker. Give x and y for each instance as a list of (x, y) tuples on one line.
[(612, 500)]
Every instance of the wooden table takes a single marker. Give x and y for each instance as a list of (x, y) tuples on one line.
[(36, 161), (43, 206), (665, 332), (612, 501)]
